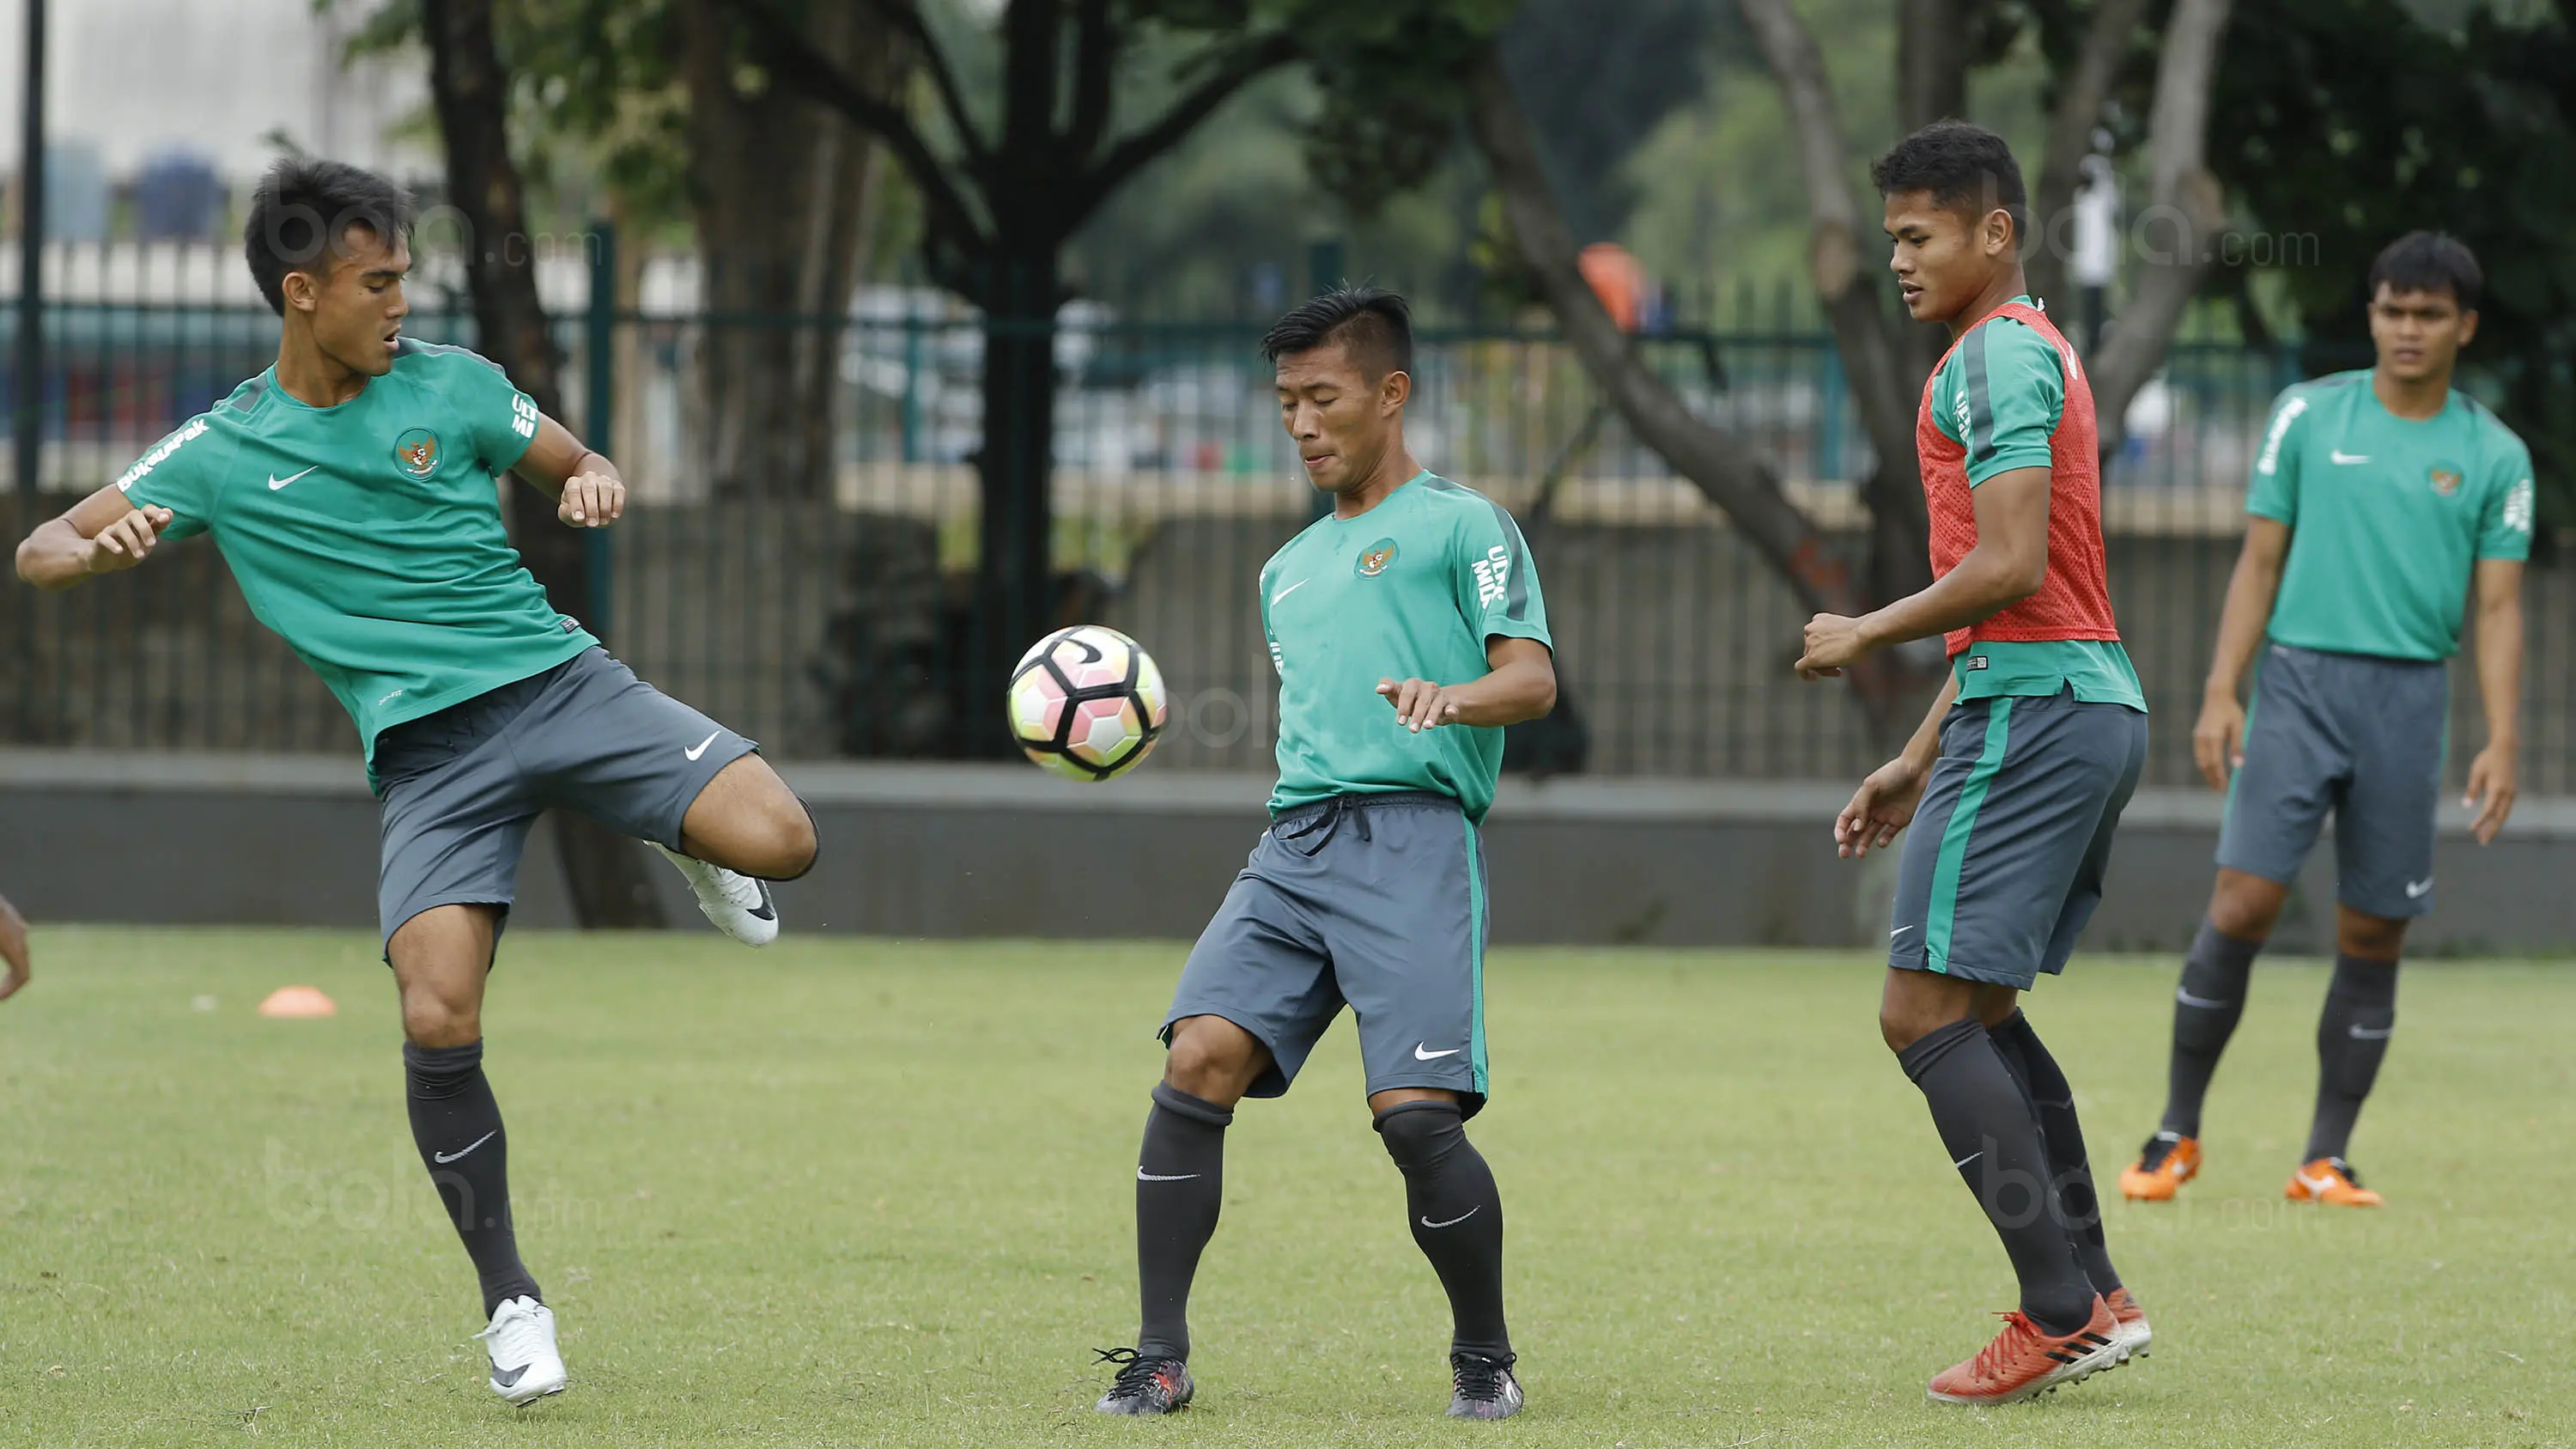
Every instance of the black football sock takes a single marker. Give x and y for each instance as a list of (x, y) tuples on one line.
[(2352, 1038), (457, 1127), (1992, 1134), (1180, 1183), (2063, 1136), (1457, 1217), (2207, 1006)]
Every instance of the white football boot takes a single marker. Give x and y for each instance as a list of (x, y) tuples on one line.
[(740, 905), (521, 1341)]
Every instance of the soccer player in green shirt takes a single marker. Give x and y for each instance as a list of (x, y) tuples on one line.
[(352, 490), (2381, 502), (1407, 630)]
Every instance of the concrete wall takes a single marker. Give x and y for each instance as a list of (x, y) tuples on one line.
[(1002, 851), (813, 630)]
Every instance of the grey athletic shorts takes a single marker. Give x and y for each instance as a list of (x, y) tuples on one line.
[(461, 787), (1377, 901), (2351, 733), (2004, 862)]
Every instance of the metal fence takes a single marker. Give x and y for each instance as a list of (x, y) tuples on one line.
[(831, 625)]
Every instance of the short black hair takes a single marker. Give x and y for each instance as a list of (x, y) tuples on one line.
[(1374, 323), (303, 206), (2429, 261), (1966, 167)]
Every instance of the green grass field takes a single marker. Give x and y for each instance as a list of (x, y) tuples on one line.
[(876, 1193)]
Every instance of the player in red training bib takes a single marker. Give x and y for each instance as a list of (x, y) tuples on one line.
[(2017, 777)]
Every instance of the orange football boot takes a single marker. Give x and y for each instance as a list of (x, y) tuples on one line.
[(2330, 1180), (2024, 1362), (2167, 1162), (2134, 1336)]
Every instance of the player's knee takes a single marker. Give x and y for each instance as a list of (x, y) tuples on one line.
[(433, 1018), (2245, 907), (1211, 1059), (1420, 1135), (791, 839), (2372, 938)]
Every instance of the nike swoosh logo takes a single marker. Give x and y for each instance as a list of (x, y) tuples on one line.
[(1453, 1222), (2316, 1186), (1899, 931), (445, 1157), (2363, 1033), (2415, 888), (2348, 459), (275, 482), (1143, 1176), (702, 746), (1971, 1157), (508, 1378), (767, 910), (1420, 1055), (2187, 999), (1292, 588)]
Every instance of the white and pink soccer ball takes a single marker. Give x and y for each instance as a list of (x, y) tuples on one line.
[(1087, 703)]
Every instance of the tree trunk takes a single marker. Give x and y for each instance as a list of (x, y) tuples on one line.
[(2081, 95), (2177, 236), (783, 187), (1884, 361), (470, 89), (1931, 63), (1727, 470), (1015, 565)]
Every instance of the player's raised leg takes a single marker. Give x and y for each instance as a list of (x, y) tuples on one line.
[(744, 830), (441, 958), (625, 754)]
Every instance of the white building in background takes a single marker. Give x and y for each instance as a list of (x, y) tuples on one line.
[(131, 79)]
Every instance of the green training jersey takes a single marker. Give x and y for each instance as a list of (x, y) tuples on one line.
[(2002, 401), (2387, 516), (1410, 589), (368, 535)]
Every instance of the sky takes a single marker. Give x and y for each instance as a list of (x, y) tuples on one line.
[(133, 77)]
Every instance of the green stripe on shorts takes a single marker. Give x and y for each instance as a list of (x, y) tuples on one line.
[(1954, 837), (1476, 954)]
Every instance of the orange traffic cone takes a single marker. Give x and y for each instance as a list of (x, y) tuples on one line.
[(297, 1001)]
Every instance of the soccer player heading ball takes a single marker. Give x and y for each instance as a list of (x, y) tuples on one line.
[(1407, 630), (2017, 777), (351, 490), (2381, 500)]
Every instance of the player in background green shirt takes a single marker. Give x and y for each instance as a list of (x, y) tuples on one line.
[(1407, 629), (352, 490), (2381, 501)]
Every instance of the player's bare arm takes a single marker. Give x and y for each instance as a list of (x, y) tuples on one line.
[(1521, 686), (2008, 564), (1885, 802), (2218, 740), (13, 950), (2491, 774), (588, 490), (98, 535)]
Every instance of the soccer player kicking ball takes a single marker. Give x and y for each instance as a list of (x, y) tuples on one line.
[(2380, 501), (2019, 773), (351, 488), (1407, 630)]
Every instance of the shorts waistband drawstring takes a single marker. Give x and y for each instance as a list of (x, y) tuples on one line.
[(1309, 828)]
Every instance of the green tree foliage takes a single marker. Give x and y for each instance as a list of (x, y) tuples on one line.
[(2352, 122)]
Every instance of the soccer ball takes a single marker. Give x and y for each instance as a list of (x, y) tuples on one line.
[(1086, 703)]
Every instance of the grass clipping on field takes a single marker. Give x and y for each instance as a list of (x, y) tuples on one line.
[(869, 1192)]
